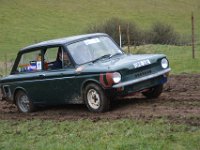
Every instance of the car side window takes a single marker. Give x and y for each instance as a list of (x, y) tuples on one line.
[(30, 62), (56, 58)]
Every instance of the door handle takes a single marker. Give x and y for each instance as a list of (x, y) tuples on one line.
[(42, 75)]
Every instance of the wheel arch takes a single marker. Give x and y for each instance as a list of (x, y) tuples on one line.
[(103, 102), (16, 91), (85, 83)]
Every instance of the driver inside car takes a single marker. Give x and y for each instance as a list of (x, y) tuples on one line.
[(61, 60)]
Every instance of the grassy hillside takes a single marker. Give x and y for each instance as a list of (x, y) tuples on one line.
[(23, 22)]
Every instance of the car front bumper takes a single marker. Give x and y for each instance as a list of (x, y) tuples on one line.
[(145, 78)]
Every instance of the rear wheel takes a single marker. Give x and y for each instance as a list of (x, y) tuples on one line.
[(154, 92), (23, 103), (95, 98)]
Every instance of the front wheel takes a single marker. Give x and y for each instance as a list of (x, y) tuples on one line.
[(23, 103), (154, 92), (95, 98)]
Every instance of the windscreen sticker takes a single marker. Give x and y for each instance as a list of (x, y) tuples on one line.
[(91, 41)]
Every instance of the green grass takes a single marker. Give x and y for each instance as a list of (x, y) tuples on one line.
[(85, 134)]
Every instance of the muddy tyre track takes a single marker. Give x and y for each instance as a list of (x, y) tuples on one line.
[(180, 103)]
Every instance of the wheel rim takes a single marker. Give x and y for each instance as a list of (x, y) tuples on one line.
[(23, 103), (93, 98)]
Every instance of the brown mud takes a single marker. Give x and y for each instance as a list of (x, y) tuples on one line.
[(179, 102)]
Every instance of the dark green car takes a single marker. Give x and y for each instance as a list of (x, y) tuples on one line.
[(86, 69)]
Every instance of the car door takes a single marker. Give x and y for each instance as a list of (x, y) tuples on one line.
[(57, 84), (62, 84)]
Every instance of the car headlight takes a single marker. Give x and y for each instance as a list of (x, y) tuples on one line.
[(116, 77), (164, 63)]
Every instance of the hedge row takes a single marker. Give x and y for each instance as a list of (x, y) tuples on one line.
[(159, 33)]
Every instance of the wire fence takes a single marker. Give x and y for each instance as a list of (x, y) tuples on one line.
[(181, 54), (6, 62)]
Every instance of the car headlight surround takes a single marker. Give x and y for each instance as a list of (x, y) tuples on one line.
[(164, 63), (116, 76)]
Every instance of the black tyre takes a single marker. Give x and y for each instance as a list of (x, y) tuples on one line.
[(23, 103), (95, 98), (154, 92)]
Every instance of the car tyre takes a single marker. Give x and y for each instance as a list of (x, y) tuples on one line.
[(154, 92), (96, 99), (24, 104)]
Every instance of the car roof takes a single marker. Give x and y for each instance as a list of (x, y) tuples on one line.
[(61, 41)]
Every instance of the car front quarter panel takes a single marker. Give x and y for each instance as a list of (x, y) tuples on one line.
[(106, 80)]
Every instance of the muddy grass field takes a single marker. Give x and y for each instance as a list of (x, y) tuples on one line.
[(179, 103)]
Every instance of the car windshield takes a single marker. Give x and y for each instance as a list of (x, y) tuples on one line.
[(93, 49)]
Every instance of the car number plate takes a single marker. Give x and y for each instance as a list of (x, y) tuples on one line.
[(142, 63)]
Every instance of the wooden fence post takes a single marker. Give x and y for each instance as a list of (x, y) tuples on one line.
[(128, 38), (6, 65), (193, 40), (120, 37)]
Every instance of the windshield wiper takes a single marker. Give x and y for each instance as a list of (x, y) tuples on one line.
[(104, 56), (115, 54)]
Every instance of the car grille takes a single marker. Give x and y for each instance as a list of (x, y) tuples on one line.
[(137, 74), (132, 74), (143, 73)]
